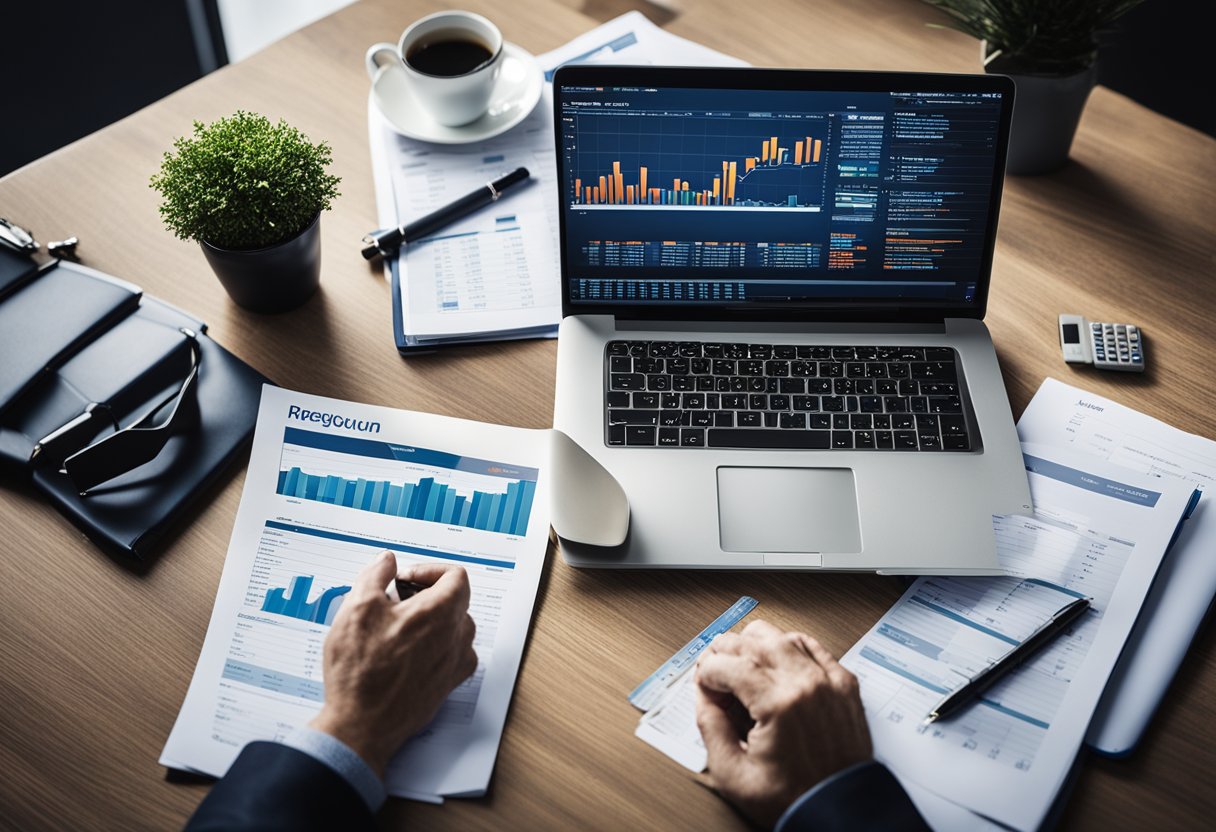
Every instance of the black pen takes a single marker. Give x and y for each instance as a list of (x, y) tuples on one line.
[(385, 243), (986, 678), (407, 589)]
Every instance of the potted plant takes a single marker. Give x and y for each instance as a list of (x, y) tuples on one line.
[(1050, 49), (251, 193)]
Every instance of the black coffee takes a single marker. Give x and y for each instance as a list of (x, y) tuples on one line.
[(448, 58)]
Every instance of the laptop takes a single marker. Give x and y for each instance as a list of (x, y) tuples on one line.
[(774, 284)]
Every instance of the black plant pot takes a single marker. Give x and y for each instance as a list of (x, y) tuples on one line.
[(272, 279), (1046, 111)]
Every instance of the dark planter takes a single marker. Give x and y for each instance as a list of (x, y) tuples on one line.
[(272, 279), (1046, 111)]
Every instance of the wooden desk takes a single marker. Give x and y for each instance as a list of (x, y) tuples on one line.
[(95, 659)]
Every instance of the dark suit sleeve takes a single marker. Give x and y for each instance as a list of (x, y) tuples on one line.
[(866, 796), (272, 787)]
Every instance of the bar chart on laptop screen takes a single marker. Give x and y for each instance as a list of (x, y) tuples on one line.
[(405, 481), (736, 161)]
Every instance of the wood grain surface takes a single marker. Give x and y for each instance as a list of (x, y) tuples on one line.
[(95, 658)]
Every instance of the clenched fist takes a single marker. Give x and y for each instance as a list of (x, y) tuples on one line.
[(778, 714), (388, 666)]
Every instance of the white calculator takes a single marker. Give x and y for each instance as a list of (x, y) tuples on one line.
[(1106, 346)]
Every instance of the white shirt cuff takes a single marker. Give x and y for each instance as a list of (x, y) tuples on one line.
[(342, 759)]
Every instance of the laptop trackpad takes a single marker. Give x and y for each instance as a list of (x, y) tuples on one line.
[(788, 510)]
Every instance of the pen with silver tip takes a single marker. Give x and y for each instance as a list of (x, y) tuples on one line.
[(386, 243), (986, 678)]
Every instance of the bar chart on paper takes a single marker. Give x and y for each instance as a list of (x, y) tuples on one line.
[(406, 481), (294, 602), (298, 580)]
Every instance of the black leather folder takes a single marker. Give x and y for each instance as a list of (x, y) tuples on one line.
[(132, 513), (108, 361), (142, 353), (15, 271), (50, 317)]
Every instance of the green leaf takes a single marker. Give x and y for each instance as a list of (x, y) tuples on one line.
[(244, 183)]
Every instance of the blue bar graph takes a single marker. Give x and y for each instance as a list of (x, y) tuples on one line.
[(504, 512), (294, 602)]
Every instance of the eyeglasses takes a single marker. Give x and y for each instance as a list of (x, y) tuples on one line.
[(142, 440)]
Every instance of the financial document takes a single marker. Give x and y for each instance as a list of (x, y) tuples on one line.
[(331, 484), (668, 696), (671, 725), (496, 274), (1099, 532), (1067, 417), (495, 270)]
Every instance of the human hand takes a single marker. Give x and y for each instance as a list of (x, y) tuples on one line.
[(388, 666), (778, 714)]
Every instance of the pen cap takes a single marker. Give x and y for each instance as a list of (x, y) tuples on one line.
[(514, 177)]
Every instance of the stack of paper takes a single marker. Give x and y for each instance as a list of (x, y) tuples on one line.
[(1099, 531), (1065, 416), (495, 274), (331, 484)]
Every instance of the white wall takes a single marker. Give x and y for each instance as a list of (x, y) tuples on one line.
[(250, 25)]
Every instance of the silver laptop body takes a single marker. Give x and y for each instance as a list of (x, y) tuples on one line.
[(656, 303)]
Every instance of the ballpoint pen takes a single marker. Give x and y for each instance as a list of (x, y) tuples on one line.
[(386, 242), (407, 589), (953, 701)]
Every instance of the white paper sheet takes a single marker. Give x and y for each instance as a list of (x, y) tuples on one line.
[(1102, 532), (671, 725), (1065, 416), (496, 272), (633, 39), (944, 815), (330, 485)]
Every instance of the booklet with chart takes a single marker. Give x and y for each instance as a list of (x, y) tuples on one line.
[(494, 275), (331, 484)]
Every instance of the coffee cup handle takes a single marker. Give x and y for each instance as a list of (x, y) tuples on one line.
[(373, 52)]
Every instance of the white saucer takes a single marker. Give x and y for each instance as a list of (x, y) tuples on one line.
[(515, 95)]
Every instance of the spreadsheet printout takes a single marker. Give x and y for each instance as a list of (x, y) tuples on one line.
[(1100, 532), (1065, 416)]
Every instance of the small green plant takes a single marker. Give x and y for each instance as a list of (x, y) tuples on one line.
[(1037, 37), (244, 183)]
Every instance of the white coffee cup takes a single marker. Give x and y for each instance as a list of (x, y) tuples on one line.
[(451, 96)]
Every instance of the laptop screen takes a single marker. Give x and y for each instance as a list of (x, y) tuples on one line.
[(775, 190)]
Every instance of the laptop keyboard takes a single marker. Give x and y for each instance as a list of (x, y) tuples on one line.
[(693, 394)]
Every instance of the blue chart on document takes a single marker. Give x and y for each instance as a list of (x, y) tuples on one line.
[(360, 497)]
